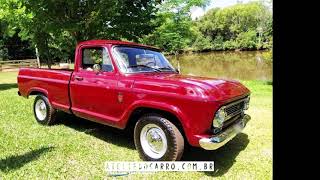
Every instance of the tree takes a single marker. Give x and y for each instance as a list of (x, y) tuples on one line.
[(242, 26), (11, 45), (175, 30), (56, 26)]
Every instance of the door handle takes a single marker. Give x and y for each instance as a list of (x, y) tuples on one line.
[(79, 78)]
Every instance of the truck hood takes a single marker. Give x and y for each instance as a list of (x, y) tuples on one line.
[(211, 88)]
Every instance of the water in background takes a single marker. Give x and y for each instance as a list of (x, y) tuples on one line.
[(242, 65)]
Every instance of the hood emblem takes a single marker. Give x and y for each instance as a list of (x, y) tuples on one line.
[(120, 97)]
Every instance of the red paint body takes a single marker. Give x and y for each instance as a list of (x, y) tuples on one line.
[(111, 97)]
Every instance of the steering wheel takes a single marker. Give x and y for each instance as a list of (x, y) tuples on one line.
[(154, 63)]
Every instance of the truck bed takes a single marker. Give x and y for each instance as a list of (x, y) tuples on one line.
[(51, 82)]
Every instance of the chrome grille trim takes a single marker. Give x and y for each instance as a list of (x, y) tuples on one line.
[(232, 109)]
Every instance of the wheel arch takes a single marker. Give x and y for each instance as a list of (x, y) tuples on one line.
[(37, 91), (140, 111)]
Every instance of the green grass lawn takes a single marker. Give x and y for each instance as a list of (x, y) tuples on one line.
[(75, 148)]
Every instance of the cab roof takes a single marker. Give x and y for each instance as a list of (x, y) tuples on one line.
[(115, 42)]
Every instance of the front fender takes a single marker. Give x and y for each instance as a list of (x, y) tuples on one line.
[(160, 106)]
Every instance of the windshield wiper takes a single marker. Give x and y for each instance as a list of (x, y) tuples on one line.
[(134, 66), (167, 68)]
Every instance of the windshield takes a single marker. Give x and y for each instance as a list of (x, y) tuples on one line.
[(136, 59)]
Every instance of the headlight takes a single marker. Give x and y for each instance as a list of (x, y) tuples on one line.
[(246, 103), (219, 118)]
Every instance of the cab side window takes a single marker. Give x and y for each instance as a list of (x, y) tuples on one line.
[(99, 56)]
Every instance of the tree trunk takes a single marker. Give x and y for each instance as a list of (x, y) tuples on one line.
[(41, 41), (38, 59), (48, 54)]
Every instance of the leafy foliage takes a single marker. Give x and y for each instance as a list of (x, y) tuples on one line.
[(175, 30), (242, 26), (55, 26)]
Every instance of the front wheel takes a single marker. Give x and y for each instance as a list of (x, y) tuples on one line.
[(157, 139), (43, 111)]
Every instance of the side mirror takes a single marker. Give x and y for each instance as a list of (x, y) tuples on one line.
[(96, 68), (177, 70)]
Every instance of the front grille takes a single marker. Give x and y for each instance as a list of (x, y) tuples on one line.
[(234, 108), (234, 111)]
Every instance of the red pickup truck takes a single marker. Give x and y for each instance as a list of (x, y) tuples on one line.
[(124, 84)]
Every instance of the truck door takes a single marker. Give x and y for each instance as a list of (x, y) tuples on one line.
[(93, 94)]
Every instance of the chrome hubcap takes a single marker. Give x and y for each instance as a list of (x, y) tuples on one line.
[(153, 141), (41, 110)]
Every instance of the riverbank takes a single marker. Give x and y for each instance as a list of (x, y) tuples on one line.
[(192, 51)]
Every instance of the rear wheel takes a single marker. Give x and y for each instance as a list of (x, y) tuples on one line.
[(43, 110), (157, 139)]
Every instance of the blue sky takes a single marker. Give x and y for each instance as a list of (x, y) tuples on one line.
[(197, 12)]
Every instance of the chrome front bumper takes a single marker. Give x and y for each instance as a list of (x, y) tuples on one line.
[(221, 139)]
